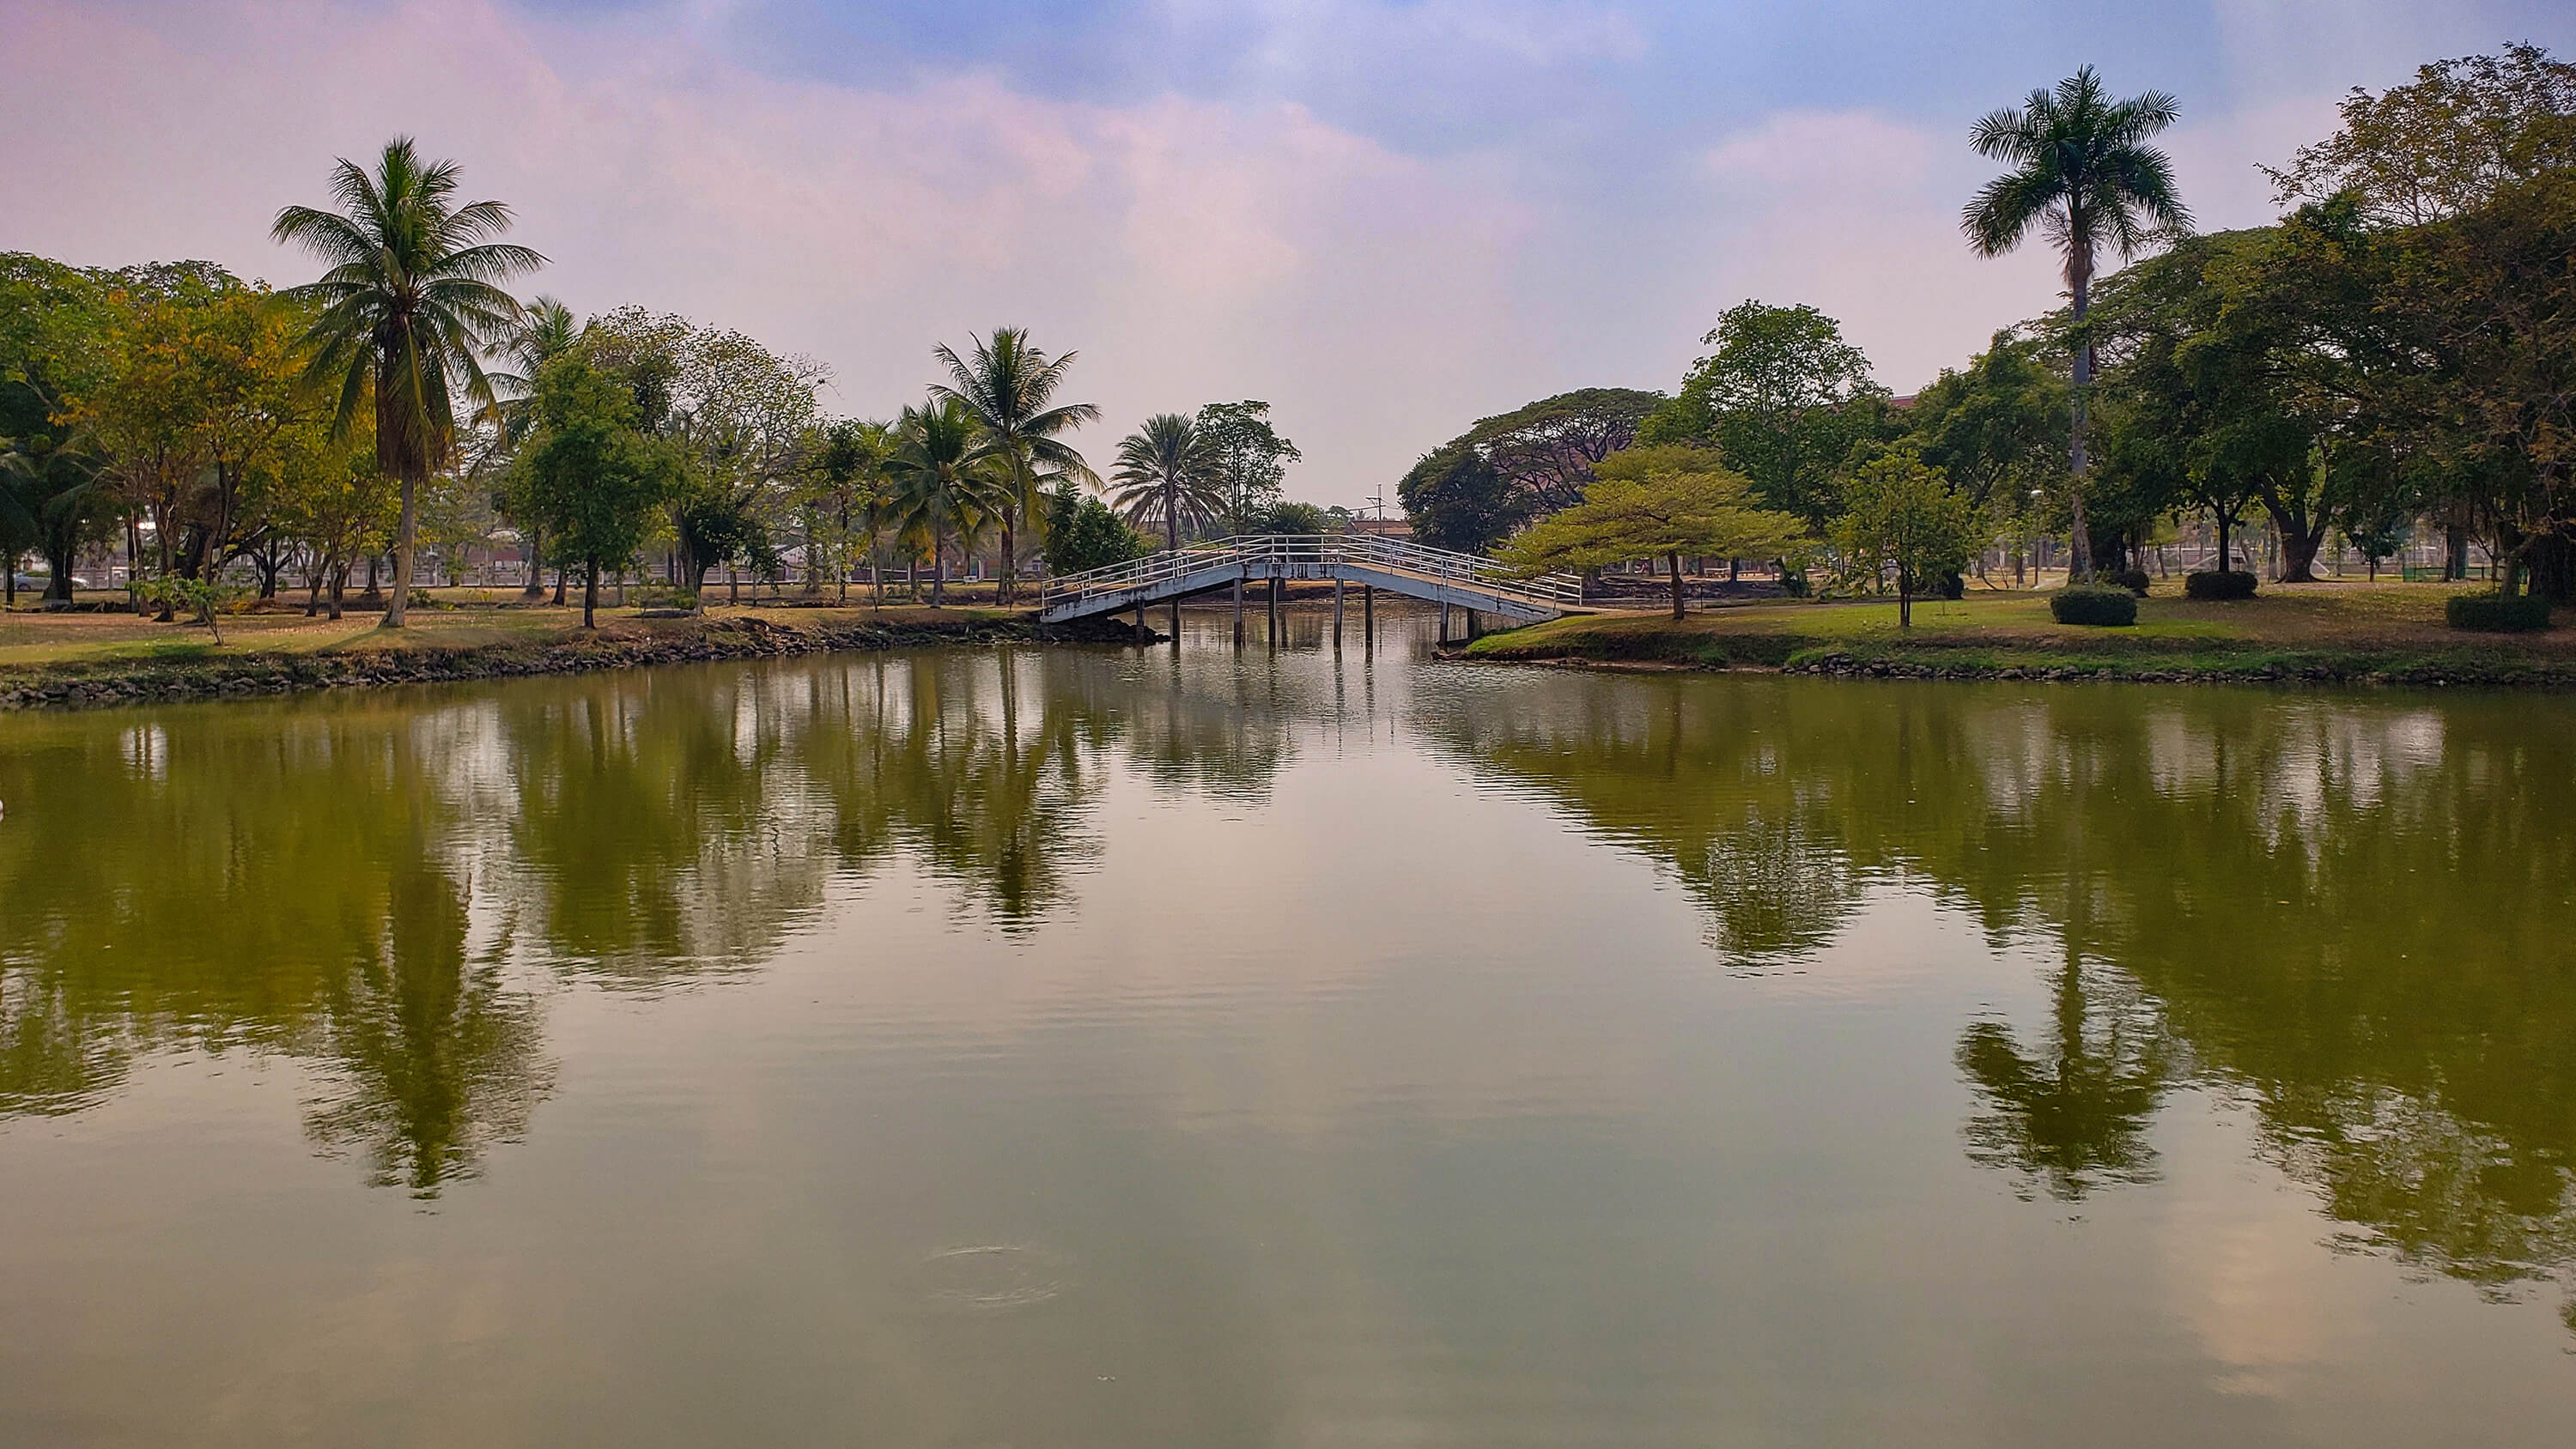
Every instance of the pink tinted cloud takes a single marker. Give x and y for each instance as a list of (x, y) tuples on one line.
[(1191, 250)]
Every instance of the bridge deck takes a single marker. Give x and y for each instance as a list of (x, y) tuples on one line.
[(1435, 575)]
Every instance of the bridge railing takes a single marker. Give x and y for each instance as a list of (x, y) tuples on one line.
[(1294, 555)]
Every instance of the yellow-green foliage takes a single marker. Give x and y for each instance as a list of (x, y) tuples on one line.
[(1652, 503)]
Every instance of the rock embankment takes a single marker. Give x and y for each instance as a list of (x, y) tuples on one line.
[(729, 636)]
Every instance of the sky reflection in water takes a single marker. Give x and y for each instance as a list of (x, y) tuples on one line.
[(1099, 1047)]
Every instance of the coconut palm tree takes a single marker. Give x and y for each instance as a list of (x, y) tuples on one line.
[(941, 487), (546, 330), (411, 298), (2083, 174), (1009, 391), (1168, 473)]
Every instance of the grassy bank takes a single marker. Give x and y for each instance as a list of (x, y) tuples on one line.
[(105, 658), (2390, 633)]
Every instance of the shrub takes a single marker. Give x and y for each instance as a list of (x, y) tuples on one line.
[(2490, 612), (2081, 605), (2135, 581), (2235, 584)]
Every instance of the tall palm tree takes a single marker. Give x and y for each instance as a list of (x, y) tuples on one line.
[(1168, 473), (1009, 390), (546, 329), (2083, 174), (411, 297), (941, 486)]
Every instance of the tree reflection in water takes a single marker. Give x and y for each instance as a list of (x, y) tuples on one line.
[(434, 1059), (2073, 1117), (2346, 913), (304, 877)]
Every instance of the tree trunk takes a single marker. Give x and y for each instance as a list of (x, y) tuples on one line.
[(2299, 552), (1010, 555), (1904, 599), (2224, 563), (938, 572), (61, 550), (405, 534), (2552, 563), (1675, 560), (559, 585), (2079, 286), (590, 594), (339, 589), (536, 588)]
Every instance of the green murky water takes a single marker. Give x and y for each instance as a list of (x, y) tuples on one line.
[(1117, 1048)]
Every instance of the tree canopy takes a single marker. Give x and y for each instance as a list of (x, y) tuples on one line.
[(1901, 516), (1784, 398), (1656, 502), (1473, 490)]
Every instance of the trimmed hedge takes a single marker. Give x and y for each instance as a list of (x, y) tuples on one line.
[(2113, 607), (2213, 585), (2490, 612), (2135, 581)]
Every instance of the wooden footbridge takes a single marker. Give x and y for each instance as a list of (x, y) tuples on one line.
[(1451, 580)]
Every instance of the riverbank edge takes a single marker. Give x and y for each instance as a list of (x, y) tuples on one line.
[(2475, 665), (96, 683)]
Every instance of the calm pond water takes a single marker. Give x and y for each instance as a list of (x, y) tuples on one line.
[(1118, 1048)]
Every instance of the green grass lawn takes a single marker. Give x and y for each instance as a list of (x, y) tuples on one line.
[(2334, 627), (33, 640)]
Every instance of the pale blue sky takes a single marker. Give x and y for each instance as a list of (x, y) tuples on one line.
[(1385, 218)]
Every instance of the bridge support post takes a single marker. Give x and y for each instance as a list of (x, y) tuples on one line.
[(1337, 613), (1140, 621), (1273, 604), (1472, 626), (1368, 614), (1444, 621), (1238, 611)]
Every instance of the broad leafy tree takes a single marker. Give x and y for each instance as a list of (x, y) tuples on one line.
[(2446, 144), (1457, 499), (590, 474), (1251, 459), (1785, 398), (2083, 175), (1901, 516), (1082, 533), (411, 297), (1656, 503), (1473, 490)]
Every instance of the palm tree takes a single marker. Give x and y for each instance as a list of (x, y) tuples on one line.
[(1168, 473), (546, 330), (410, 299), (1009, 392), (2083, 174), (941, 487), (50, 489)]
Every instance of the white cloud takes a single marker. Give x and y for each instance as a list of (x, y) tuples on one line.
[(1191, 249)]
